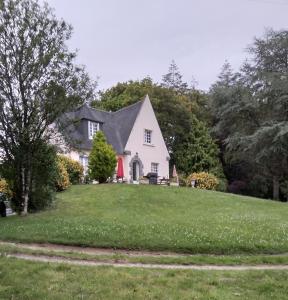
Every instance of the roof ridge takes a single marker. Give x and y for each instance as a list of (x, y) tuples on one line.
[(90, 107), (129, 106), (101, 110)]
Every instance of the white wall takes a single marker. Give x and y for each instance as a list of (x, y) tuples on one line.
[(155, 153), (76, 155)]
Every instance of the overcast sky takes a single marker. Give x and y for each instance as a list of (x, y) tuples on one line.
[(119, 40)]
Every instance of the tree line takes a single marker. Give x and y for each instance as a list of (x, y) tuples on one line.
[(237, 130), (249, 110), (181, 113)]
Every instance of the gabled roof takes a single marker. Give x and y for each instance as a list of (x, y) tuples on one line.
[(124, 120), (89, 113), (116, 126)]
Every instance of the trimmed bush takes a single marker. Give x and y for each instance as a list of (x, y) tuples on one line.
[(62, 182), (74, 168), (203, 180)]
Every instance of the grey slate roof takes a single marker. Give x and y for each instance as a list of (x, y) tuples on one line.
[(115, 125)]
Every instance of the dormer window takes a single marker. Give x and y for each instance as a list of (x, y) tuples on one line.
[(147, 136), (93, 127)]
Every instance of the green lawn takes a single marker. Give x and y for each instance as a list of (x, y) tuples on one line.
[(30, 280), (156, 218)]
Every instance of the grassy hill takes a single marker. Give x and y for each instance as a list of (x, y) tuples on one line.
[(156, 218)]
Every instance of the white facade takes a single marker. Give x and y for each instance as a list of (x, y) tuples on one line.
[(148, 153)]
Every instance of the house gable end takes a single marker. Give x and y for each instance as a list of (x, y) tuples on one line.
[(155, 152)]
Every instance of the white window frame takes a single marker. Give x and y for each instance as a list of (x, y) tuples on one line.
[(154, 167), (148, 136), (93, 127)]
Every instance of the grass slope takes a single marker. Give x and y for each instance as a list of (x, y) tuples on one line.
[(53, 281), (156, 218)]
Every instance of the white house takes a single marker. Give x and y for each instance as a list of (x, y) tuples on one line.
[(133, 132)]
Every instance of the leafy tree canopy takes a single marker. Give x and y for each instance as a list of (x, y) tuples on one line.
[(38, 83)]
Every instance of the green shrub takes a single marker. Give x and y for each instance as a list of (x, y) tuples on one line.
[(182, 180), (45, 173), (4, 188), (222, 180), (74, 168), (43, 177), (62, 182), (203, 180), (102, 159), (222, 185)]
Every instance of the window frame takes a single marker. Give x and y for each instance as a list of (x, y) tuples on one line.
[(153, 164), (148, 138), (91, 129)]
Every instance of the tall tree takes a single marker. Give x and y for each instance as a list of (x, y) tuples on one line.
[(38, 83), (267, 77), (173, 79), (256, 106), (196, 151), (231, 118)]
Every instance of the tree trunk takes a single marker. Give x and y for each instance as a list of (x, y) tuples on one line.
[(25, 190), (276, 187)]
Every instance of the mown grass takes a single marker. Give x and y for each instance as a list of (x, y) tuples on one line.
[(156, 218), (30, 280)]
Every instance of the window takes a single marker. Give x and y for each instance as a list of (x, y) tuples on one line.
[(147, 136), (84, 162), (154, 167), (93, 127)]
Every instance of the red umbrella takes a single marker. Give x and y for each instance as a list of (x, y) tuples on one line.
[(120, 169)]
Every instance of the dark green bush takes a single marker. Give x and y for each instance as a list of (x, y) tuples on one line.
[(43, 178)]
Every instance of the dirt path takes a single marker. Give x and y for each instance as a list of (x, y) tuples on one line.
[(104, 251), (90, 250), (79, 262)]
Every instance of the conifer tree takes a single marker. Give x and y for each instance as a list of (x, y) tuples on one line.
[(173, 79), (102, 159), (250, 109)]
